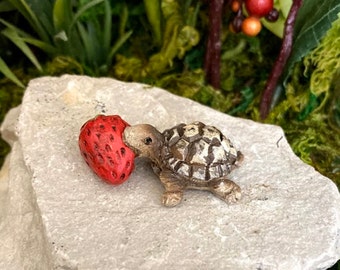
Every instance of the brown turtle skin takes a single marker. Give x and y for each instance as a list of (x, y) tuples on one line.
[(194, 156)]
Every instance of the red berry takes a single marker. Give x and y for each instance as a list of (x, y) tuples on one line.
[(235, 5), (259, 8), (101, 145), (251, 26)]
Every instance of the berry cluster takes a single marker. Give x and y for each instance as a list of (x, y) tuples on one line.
[(257, 9)]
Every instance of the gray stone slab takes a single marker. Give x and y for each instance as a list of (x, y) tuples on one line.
[(288, 218), (7, 128), (23, 244)]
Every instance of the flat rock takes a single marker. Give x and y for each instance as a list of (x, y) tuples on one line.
[(288, 217)]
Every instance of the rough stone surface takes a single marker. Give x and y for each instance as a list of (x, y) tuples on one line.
[(288, 218), (23, 242)]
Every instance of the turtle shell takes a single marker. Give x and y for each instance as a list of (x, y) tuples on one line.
[(198, 152)]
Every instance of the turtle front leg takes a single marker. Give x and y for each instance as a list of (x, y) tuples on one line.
[(174, 188), (225, 189)]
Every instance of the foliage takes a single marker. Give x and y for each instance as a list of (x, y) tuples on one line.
[(312, 105), (60, 28), (312, 23), (323, 63), (9, 74), (283, 6), (179, 36)]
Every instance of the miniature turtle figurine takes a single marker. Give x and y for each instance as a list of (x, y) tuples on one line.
[(193, 156)]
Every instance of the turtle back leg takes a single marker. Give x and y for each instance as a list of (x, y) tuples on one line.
[(225, 189), (174, 187)]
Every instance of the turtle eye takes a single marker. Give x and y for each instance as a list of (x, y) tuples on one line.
[(147, 140)]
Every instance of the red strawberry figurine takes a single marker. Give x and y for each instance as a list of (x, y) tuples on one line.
[(101, 145)]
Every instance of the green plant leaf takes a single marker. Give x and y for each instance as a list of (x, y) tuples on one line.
[(25, 9), (313, 21), (284, 6), (62, 15), (89, 41), (46, 47), (154, 14), (119, 43), (12, 35), (43, 11), (6, 6), (123, 18), (83, 9), (107, 31), (9, 74)]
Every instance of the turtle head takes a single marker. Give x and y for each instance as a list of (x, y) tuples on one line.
[(144, 140)]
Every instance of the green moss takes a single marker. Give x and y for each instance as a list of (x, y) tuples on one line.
[(310, 112), (316, 144), (323, 63), (179, 37), (63, 65)]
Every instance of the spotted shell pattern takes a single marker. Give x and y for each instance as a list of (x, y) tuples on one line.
[(198, 152)]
